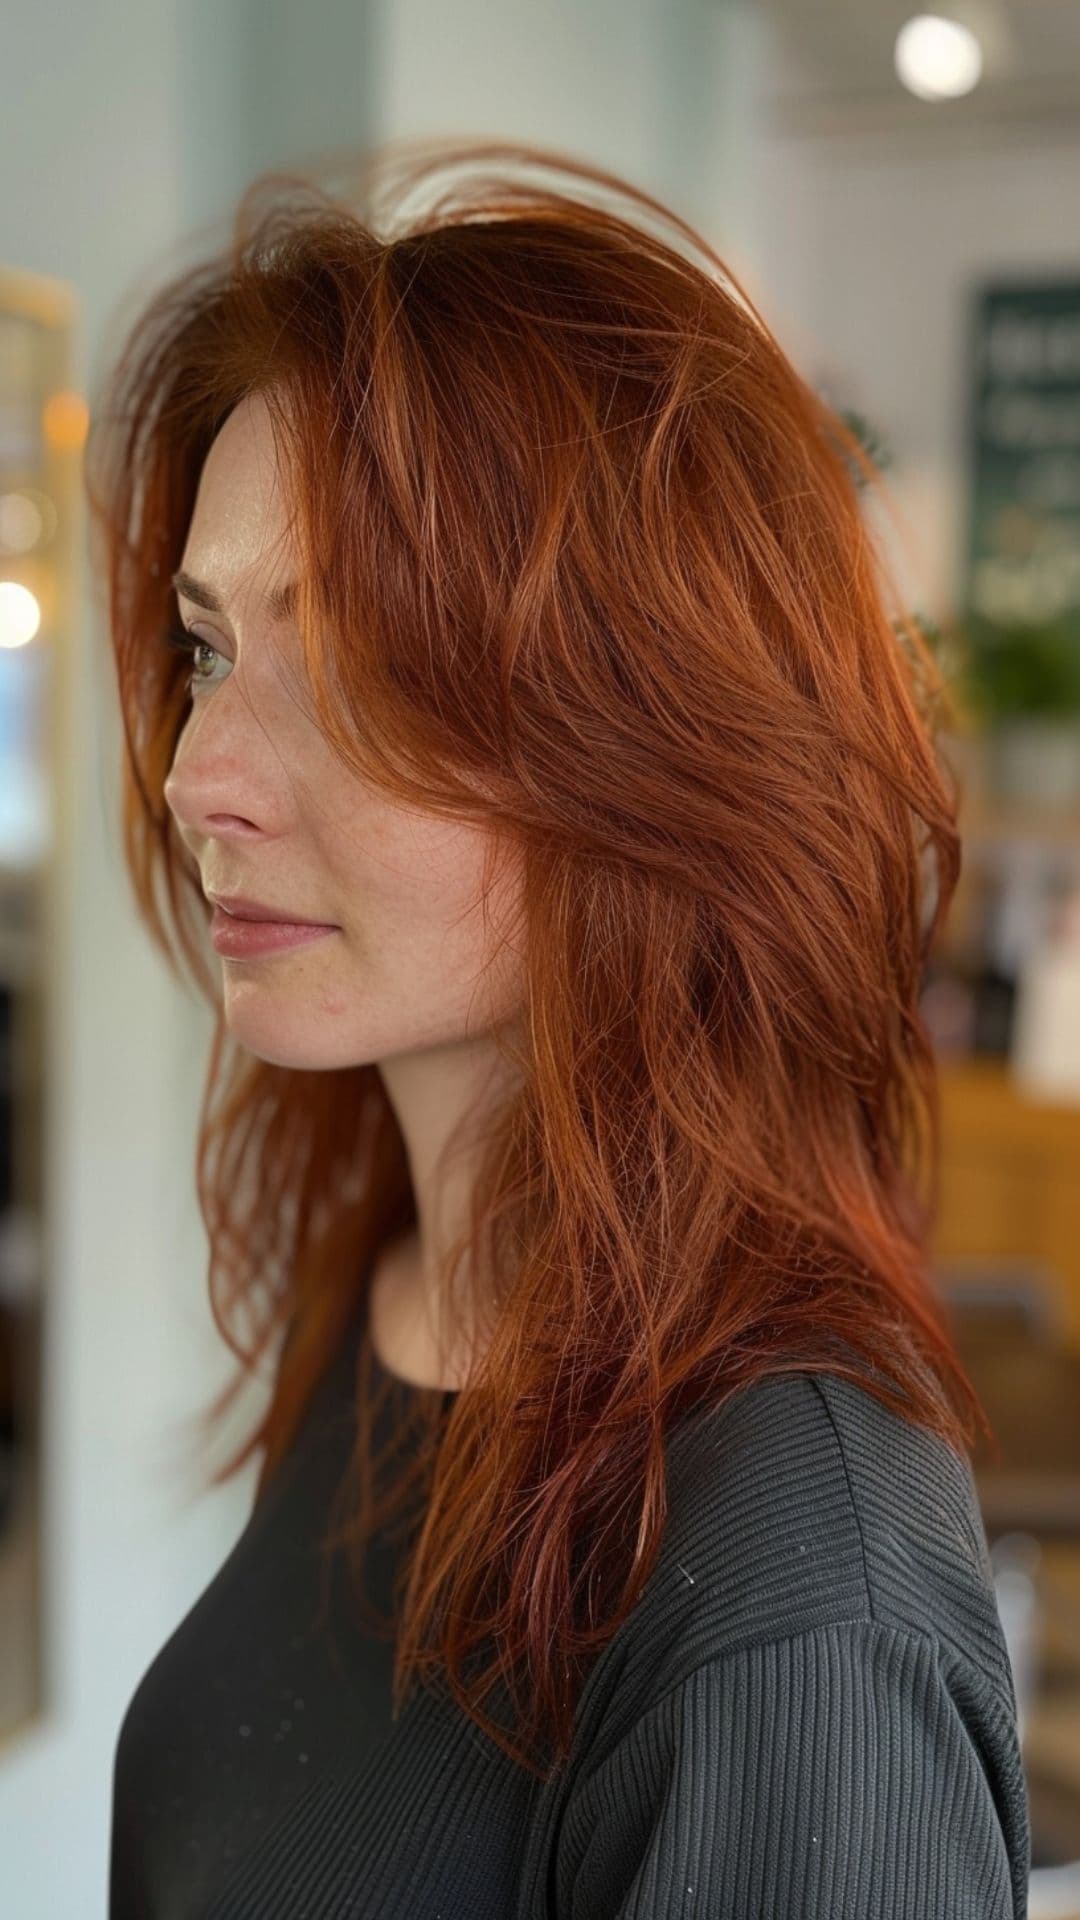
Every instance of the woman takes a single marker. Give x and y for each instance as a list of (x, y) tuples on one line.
[(490, 593)]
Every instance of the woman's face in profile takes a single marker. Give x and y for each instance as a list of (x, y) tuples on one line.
[(266, 810)]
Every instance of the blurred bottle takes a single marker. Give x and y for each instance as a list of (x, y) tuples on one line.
[(1045, 1052)]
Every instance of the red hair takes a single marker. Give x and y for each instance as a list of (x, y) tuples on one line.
[(582, 558)]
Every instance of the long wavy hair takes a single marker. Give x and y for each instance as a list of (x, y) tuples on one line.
[(584, 559)]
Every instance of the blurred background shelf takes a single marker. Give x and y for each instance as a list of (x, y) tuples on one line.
[(1010, 1196)]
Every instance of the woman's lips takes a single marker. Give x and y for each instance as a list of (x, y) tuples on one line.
[(238, 939)]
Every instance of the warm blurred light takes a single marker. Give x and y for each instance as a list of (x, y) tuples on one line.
[(20, 614), (64, 420), (22, 522), (936, 58)]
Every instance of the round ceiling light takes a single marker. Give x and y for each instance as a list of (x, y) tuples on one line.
[(936, 58)]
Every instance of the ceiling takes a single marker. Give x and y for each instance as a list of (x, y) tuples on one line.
[(835, 62)]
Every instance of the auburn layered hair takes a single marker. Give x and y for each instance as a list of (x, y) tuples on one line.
[(585, 559)]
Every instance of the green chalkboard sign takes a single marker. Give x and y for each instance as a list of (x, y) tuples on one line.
[(1022, 590)]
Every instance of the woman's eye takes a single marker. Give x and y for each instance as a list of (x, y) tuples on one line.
[(195, 647)]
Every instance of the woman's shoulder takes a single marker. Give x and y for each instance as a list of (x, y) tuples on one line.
[(802, 1504), (811, 1703)]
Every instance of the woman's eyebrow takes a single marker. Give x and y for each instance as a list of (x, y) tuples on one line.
[(280, 602)]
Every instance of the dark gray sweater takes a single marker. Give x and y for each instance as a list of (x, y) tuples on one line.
[(808, 1716)]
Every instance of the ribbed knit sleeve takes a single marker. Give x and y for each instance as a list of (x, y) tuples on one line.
[(833, 1774)]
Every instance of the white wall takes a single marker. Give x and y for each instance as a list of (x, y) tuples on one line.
[(660, 91)]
